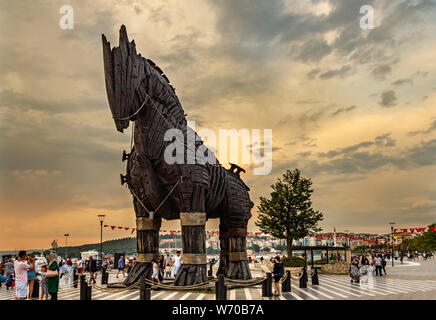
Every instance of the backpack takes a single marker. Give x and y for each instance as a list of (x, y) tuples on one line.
[(9, 282), (384, 263)]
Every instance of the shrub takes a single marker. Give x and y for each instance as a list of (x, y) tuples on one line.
[(293, 262)]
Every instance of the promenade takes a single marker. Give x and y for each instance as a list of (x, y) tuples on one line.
[(410, 281)]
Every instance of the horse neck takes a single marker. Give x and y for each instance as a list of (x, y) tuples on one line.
[(162, 111), (153, 123)]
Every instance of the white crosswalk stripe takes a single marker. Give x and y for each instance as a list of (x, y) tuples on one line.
[(169, 296), (323, 288), (200, 296), (185, 296), (319, 292), (248, 294), (232, 295)]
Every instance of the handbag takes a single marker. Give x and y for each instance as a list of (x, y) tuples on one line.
[(52, 273)]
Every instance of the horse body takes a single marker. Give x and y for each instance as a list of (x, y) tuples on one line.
[(139, 91)]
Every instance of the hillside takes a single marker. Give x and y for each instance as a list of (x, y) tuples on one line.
[(126, 245)]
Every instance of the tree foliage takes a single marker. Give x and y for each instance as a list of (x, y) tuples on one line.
[(424, 242), (288, 214)]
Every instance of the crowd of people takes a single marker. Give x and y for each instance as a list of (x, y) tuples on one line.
[(21, 274), (163, 266), (31, 280)]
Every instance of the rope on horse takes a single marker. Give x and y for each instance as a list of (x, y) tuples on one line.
[(162, 202)]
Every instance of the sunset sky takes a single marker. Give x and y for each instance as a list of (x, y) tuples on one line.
[(352, 108)]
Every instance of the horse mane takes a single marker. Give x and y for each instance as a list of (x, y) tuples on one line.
[(131, 77)]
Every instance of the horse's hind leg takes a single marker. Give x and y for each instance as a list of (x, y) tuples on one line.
[(233, 230), (233, 255)]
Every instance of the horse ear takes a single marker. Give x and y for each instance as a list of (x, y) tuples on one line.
[(124, 41)]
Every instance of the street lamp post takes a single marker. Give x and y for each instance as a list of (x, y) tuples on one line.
[(101, 218), (392, 240), (348, 238), (66, 235)]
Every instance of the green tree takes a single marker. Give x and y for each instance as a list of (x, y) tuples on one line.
[(255, 248), (424, 242), (289, 214)]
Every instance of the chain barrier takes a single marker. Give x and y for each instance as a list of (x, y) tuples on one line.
[(116, 289), (191, 287), (298, 277)]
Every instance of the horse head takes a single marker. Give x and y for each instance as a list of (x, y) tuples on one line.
[(124, 71)]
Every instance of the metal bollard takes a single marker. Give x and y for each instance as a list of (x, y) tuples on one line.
[(267, 285), (88, 293), (144, 289), (315, 280), (75, 278), (83, 286), (286, 285), (303, 279), (104, 276), (220, 288), (209, 272)]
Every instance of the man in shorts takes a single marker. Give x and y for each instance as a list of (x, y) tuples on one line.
[(21, 267), (121, 265)]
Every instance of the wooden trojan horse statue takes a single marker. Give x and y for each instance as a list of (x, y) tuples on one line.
[(138, 91)]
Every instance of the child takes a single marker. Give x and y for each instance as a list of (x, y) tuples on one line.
[(364, 271), (372, 269), (44, 288)]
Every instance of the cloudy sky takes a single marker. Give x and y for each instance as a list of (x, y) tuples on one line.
[(352, 108)]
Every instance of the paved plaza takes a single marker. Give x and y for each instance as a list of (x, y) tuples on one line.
[(414, 281)]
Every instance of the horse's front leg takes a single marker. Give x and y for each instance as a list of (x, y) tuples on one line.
[(147, 236), (146, 192), (193, 224)]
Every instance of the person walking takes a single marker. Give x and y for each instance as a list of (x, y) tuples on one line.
[(364, 272), (31, 275), (278, 272), (9, 266), (21, 266), (80, 266), (121, 266), (167, 263), (378, 265), (161, 267), (383, 265), (128, 264), (92, 268), (53, 277), (155, 275), (177, 262), (44, 288)]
